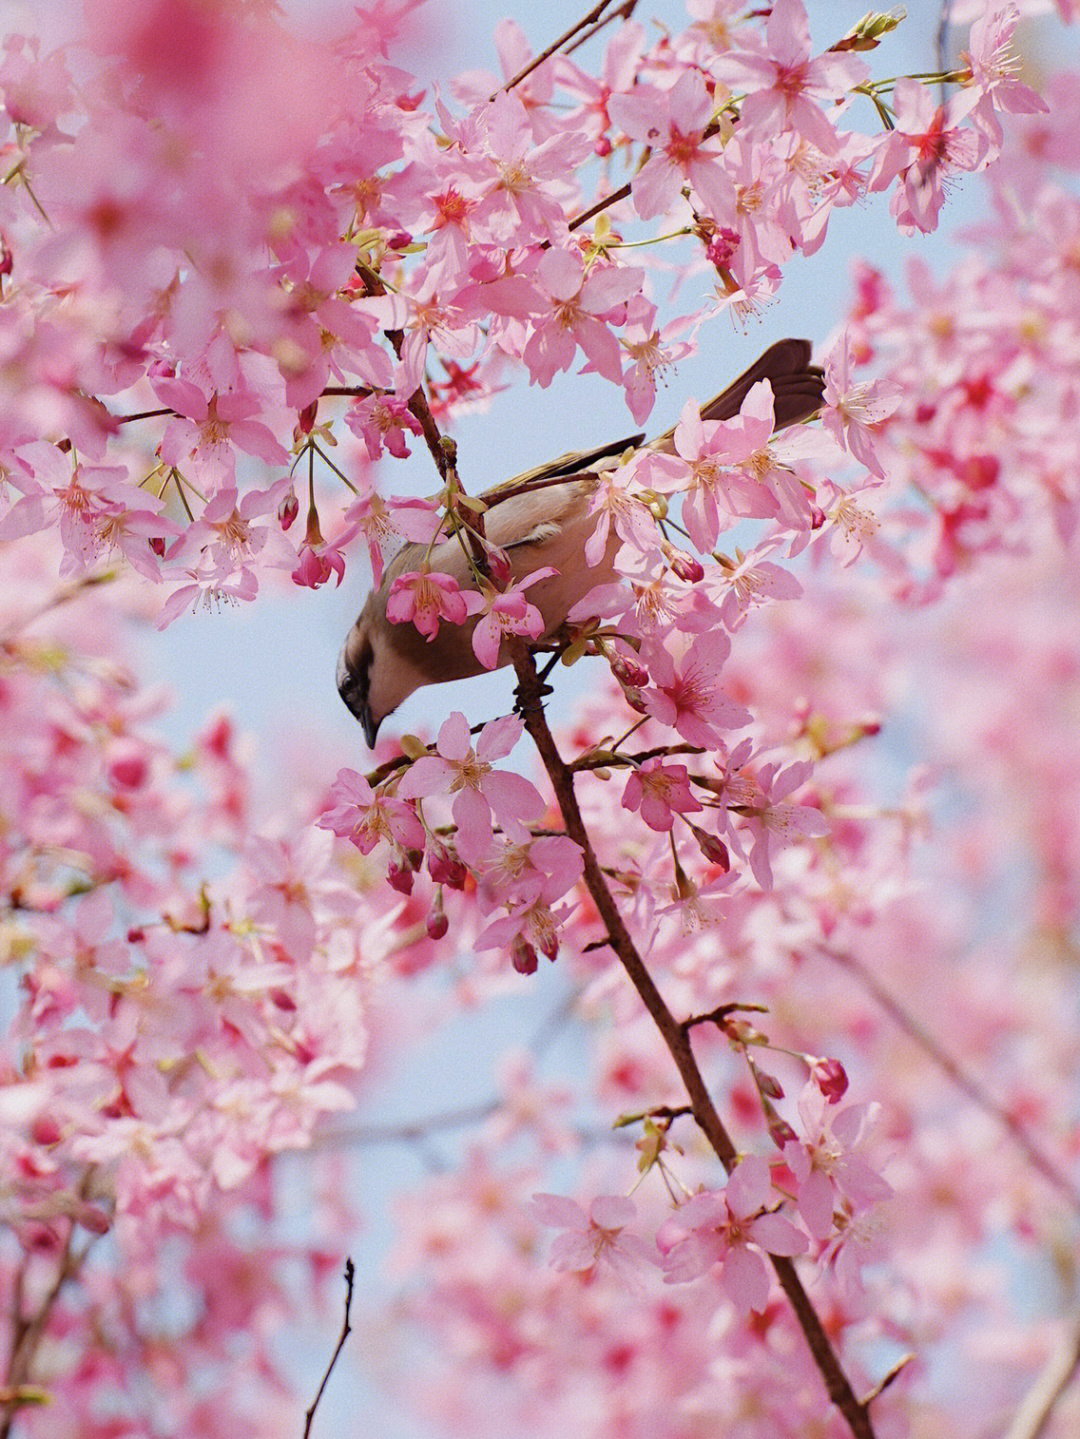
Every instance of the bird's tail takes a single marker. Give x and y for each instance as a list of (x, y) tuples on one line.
[(797, 386)]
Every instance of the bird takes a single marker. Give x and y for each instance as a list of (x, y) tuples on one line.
[(538, 518)]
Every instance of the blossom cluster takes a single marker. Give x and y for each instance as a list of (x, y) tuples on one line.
[(187, 1000), (185, 294)]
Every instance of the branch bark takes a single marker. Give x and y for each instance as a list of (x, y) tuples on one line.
[(675, 1035)]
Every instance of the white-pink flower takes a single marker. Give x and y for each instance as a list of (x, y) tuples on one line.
[(480, 790), (731, 1227)]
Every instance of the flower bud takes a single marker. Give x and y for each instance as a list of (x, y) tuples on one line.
[(712, 847), (305, 421), (817, 517), (499, 565), (768, 1084), (288, 510), (400, 878), (830, 1077), (602, 147), (157, 544), (781, 1132), (437, 923), (686, 566), (523, 955), (445, 867), (400, 240), (628, 672)]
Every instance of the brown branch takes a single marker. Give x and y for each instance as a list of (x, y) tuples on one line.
[(27, 1330), (965, 1082), (546, 54), (346, 1330), (624, 12), (621, 193), (674, 1034), (1038, 1404)]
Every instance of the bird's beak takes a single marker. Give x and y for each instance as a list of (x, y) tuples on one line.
[(369, 724)]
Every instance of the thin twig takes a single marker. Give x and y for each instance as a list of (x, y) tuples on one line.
[(965, 1082), (1053, 1379), (346, 1330), (546, 54), (624, 12), (675, 1036)]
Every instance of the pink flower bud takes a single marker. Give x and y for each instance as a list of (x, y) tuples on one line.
[(400, 240), (7, 260), (830, 1077), (45, 1131), (437, 924), (628, 672), (128, 767), (769, 1085), (288, 510), (157, 544), (781, 1132), (712, 847), (523, 955), (602, 147), (817, 517), (687, 567), (445, 867), (306, 420), (499, 565), (400, 878)]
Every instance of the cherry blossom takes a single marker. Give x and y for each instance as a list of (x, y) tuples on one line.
[(731, 1227)]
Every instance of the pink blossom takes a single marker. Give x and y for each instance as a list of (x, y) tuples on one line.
[(855, 410), (382, 420), (759, 801), (594, 1239), (673, 124), (366, 816), (827, 1163), (660, 791), (576, 307), (994, 71), (507, 612), (785, 87), (426, 597), (924, 149), (685, 691), (731, 1227), (381, 520), (480, 790)]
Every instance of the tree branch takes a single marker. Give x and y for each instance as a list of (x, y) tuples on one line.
[(674, 1034), (1037, 1407), (346, 1330)]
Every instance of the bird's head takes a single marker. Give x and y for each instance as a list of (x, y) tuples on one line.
[(373, 675)]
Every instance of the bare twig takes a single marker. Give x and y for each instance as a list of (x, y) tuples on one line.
[(564, 39), (1037, 1408), (346, 1330)]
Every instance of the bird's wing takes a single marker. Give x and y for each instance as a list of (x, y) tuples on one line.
[(571, 463)]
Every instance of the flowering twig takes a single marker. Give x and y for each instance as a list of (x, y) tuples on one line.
[(674, 1034)]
